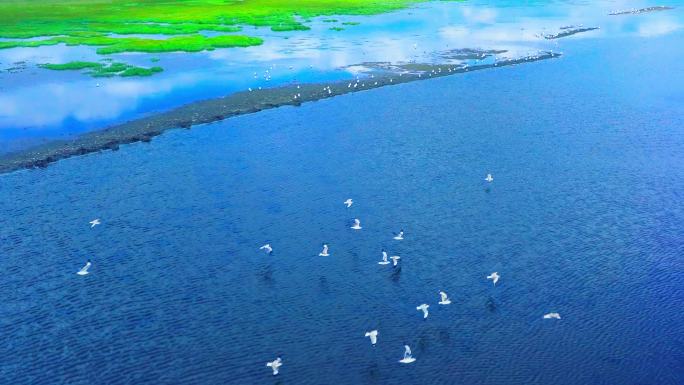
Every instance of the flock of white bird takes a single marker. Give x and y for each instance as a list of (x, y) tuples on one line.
[(325, 252)]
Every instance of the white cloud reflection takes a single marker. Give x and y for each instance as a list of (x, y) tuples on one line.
[(42, 99)]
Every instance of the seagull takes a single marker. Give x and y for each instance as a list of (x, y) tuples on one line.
[(357, 224), (94, 222), (400, 235), (552, 316), (373, 334), (348, 202), (489, 178), (494, 277), (267, 247), (324, 253), (444, 299), (424, 308), (84, 269), (384, 258), (395, 259), (275, 365), (407, 356)]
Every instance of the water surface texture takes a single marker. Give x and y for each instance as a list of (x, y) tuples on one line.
[(584, 218)]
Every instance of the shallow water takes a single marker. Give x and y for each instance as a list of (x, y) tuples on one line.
[(584, 218), (38, 104)]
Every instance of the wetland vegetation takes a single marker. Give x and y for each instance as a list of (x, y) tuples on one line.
[(165, 26)]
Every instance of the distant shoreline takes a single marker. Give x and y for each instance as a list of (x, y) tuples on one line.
[(240, 103)]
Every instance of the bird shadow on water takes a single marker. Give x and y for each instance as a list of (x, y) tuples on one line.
[(323, 285), (266, 275), (423, 342), (444, 335), (373, 372), (490, 304), (396, 275)]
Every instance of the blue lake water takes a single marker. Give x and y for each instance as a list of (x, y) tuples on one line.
[(584, 218)]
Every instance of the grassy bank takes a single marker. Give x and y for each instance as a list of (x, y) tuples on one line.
[(109, 45), (176, 24), (89, 22)]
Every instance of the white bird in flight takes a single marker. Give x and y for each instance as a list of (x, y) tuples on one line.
[(424, 308), (384, 258), (348, 202), (277, 363), (267, 247), (552, 316), (324, 253), (395, 260), (494, 277), (357, 224), (444, 300), (400, 235), (84, 269), (94, 222), (489, 178), (408, 358), (373, 334)]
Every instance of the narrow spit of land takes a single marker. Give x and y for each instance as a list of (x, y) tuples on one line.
[(637, 11), (245, 102)]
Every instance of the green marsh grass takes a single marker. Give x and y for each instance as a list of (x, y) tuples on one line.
[(100, 23), (103, 69)]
